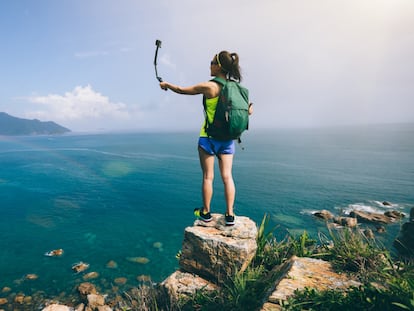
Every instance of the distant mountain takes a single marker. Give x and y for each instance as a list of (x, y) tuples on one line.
[(10, 125)]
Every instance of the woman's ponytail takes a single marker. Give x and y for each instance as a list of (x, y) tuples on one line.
[(230, 65)]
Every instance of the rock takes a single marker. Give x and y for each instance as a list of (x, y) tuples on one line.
[(95, 300), (371, 217), (31, 276), (6, 289), (412, 215), (385, 203), (3, 301), (56, 307), (54, 253), (80, 307), (80, 267), (112, 264), (19, 299), (90, 276), (346, 221), (215, 251), (324, 214), (86, 288), (144, 278), (120, 281), (381, 229), (298, 273), (394, 214), (182, 285), (140, 260)]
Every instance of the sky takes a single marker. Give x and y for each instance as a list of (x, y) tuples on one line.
[(88, 64)]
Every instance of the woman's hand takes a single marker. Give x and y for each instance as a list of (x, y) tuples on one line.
[(164, 85), (250, 108)]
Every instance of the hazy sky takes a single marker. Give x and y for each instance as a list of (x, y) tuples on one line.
[(88, 64)]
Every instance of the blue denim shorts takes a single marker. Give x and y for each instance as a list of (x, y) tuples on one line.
[(214, 147)]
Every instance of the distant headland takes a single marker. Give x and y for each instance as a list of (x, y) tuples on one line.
[(12, 126)]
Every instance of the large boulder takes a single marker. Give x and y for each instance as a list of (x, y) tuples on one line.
[(215, 251), (298, 273)]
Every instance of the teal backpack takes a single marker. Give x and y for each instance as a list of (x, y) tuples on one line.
[(231, 118)]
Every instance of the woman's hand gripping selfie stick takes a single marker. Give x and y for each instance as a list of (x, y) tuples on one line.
[(158, 44)]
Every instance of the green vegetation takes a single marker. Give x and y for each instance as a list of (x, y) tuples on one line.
[(387, 284)]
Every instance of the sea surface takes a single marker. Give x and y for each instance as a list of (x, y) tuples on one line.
[(122, 196)]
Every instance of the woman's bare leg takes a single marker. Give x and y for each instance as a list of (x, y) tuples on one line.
[(207, 166), (226, 164)]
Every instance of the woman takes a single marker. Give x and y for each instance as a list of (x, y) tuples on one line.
[(224, 65)]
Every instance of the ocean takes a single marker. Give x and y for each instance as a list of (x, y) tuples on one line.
[(126, 198)]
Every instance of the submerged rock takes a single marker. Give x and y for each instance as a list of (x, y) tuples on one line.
[(91, 275), (31, 276), (120, 281), (141, 260), (112, 264)]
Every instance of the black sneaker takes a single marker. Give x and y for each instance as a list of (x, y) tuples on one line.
[(200, 214), (229, 220)]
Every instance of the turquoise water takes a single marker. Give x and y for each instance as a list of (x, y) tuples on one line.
[(115, 196)]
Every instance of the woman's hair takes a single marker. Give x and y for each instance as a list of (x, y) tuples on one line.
[(229, 63)]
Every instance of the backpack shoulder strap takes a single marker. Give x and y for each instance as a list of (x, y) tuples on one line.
[(219, 80)]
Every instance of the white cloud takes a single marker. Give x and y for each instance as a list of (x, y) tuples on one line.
[(81, 106)]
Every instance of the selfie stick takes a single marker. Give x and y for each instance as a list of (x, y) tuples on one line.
[(158, 44)]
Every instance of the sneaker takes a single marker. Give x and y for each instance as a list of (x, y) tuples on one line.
[(200, 214), (229, 220)]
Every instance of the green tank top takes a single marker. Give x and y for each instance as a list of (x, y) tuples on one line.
[(211, 104)]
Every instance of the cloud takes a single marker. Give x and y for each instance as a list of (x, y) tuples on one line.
[(81, 105)]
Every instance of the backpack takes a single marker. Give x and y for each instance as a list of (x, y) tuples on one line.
[(231, 118)]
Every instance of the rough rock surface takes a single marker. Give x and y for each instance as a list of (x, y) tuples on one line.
[(324, 214), (372, 217), (214, 251), (298, 273), (185, 284), (56, 307)]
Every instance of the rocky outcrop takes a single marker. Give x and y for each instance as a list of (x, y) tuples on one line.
[(214, 251), (405, 240), (210, 253), (356, 216), (372, 217), (298, 273)]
